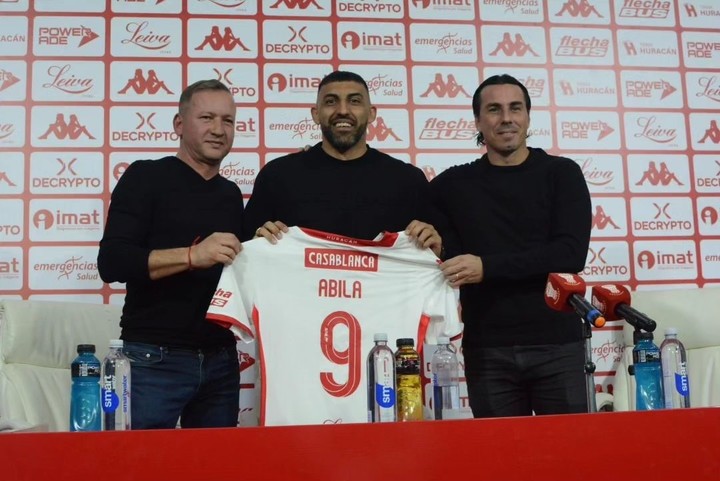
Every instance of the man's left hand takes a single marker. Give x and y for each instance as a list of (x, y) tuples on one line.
[(463, 269)]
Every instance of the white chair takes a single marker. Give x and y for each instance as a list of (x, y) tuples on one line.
[(38, 341), (696, 315)]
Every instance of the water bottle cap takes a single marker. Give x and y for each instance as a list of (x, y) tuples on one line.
[(443, 340), (645, 336), (671, 331), (405, 341), (116, 343), (82, 348), (380, 337)]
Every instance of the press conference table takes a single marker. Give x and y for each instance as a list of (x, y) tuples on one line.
[(662, 445)]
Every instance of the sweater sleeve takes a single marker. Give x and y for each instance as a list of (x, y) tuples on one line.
[(123, 254), (567, 244)]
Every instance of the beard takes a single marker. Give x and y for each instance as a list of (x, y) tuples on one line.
[(343, 142)]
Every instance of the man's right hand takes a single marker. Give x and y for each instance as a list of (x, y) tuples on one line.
[(272, 231), (218, 248)]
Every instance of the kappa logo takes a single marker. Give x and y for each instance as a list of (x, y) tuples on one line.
[(60, 35), (62, 129), (227, 41), (712, 133), (379, 131), (601, 220), (575, 8), (445, 88), (7, 79), (4, 178), (509, 47), (292, 4), (429, 172), (145, 121), (708, 215), (67, 83), (6, 130), (710, 85), (66, 166), (654, 132), (145, 84), (145, 38), (662, 176)]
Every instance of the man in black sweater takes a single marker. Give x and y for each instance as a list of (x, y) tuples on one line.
[(171, 226), (342, 185), (514, 216)]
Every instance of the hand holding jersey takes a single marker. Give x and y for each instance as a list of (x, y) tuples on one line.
[(313, 303)]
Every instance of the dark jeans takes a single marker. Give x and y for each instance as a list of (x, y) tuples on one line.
[(520, 380), (201, 387)]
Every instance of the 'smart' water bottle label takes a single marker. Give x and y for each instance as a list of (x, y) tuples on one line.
[(110, 401), (384, 395), (682, 385)]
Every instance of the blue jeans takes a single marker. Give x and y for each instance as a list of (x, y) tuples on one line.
[(201, 387), (522, 380)]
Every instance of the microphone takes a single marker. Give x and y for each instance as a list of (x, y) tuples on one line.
[(614, 301), (565, 292)]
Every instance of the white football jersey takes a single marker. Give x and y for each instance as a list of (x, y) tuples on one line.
[(313, 302)]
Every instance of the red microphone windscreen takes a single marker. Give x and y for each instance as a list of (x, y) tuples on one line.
[(607, 297), (561, 286)]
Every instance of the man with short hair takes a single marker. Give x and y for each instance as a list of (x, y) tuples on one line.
[(172, 224), (515, 215), (342, 185)]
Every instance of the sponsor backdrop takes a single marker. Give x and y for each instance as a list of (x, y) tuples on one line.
[(630, 89)]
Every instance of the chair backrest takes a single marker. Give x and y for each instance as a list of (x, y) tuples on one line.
[(38, 341)]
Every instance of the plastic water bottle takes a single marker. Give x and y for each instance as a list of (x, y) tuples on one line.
[(445, 374), (648, 374), (409, 389), (674, 368), (116, 388), (381, 382), (85, 392)]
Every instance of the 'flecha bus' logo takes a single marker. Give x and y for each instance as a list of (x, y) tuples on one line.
[(226, 41), (442, 88), (62, 129), (145, 84), (509, 47), (658, 176)]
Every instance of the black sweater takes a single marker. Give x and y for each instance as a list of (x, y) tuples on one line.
[(163, 204), (524, 222), (358, 198)]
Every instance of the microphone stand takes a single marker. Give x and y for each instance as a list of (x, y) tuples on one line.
[(589, 367)]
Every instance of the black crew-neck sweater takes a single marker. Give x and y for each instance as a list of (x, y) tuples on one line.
[(163, 204), (524, 222), (357, 198)]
